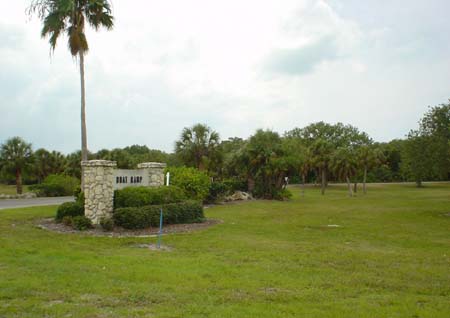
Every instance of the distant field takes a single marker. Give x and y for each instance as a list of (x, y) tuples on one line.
[(386, 254), (11, 189)]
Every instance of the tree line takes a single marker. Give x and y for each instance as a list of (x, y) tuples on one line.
[(318, 153)]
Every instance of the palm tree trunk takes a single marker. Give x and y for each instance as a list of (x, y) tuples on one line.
[(355, 187), (250, 184), (84, 151), (303, 184), (19, 181), (364, 180), (350, 193), (323, 181)]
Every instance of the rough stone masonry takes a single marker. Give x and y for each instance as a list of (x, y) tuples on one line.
[(101, 178)]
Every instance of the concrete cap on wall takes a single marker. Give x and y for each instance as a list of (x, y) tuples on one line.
[(151, 165), (99, 163)]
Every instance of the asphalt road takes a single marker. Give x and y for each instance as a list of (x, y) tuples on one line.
[(23, 203)]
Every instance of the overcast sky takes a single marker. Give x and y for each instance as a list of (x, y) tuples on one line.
[(234, 65)]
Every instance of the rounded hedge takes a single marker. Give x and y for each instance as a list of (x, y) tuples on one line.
[(81, 223), (147, 216), (141, 196), (71, 209), (194, 182)]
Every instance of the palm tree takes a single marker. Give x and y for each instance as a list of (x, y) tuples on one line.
[(368, 158), (305, 167), (70, 17), (321, 151), (15, 155), (198, 146), (344, 165)]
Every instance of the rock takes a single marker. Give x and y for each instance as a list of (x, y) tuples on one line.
[(239, 196), (29, 195)]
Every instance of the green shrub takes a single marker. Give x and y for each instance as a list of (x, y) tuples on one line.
[(234, 185), (67, 220), (81, 223), (107, 224), (69, 209), (217, 191), (194, 182), (56, 185), (79, 195), (141, 196), (146, 216), (282, 195)]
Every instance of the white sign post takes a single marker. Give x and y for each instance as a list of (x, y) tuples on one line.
[(167, 178)]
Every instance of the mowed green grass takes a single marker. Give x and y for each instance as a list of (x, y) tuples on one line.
[(390, 257), (11, 189)]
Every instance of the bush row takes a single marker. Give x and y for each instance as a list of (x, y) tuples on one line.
[(146, 216), (142, 196)]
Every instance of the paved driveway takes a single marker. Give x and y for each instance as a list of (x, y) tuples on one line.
[(23, 203)]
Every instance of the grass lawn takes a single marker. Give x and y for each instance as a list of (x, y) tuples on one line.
[(11, 189), (390, 257)]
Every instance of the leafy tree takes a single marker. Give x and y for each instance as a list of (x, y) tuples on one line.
[(16, 155), (368, 157), (417, 156), (344, 164), (321, 152), (46, 163), (339, 135), (436, 124), (198, 147), (297, 157), (266, 165), (70, 17), (73, 167)]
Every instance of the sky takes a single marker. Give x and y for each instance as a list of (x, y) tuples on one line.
[(234, 65)]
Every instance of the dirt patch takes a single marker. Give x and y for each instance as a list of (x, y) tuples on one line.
[(51, 225)]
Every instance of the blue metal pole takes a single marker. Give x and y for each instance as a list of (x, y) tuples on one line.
[(160, 228)]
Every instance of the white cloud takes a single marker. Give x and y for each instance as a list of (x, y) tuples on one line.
[(235, 65)]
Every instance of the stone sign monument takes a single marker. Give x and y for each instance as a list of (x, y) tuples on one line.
[(101, 178)]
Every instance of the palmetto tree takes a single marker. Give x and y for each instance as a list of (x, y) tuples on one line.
[(368, 157), (198, 146), (70, 17), (344, 165), (15, 155), (321, 152)]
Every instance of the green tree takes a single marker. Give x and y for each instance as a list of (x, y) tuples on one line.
[(343, 163), (321, 152), (69, 17), (266, 165), (297, 157), (16, 155), (368, 157), (339, 135), (418, 156), (198, 147), (436, 125), (46, 163)]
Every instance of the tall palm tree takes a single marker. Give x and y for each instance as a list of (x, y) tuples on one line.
[(368, 157), (198, 146), (15, 155), (305, 167), (70, 17), (344, 165), (321, 152)]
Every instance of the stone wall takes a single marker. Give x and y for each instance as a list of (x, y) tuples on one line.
[(101, 178), (98, 188), (155, 171)]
